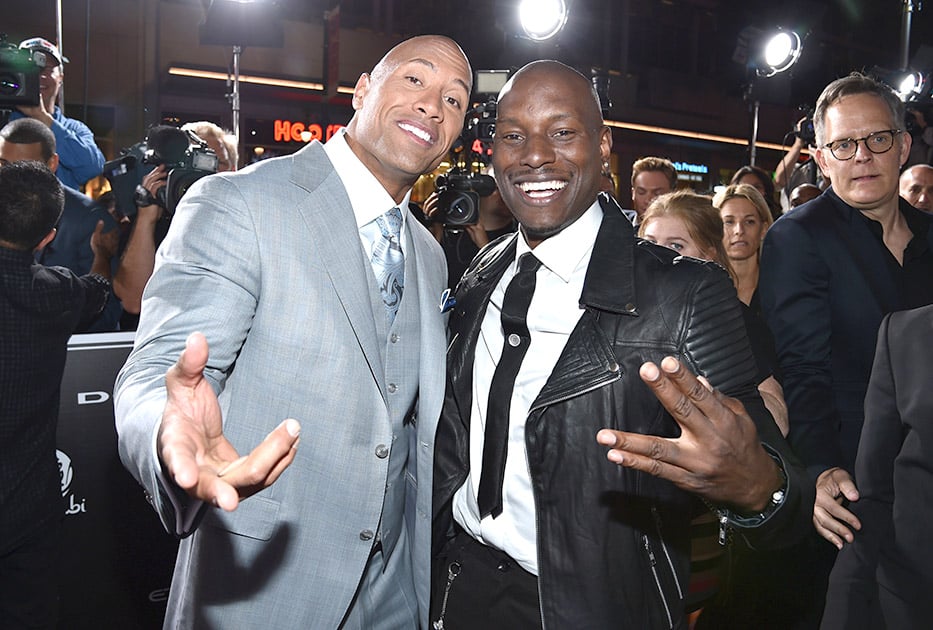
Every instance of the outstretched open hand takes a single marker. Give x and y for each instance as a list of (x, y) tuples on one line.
[(192, 446)]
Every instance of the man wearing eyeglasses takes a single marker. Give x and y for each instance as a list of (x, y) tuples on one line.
[(830, 271)]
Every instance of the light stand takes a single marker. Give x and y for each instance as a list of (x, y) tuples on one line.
[(234, 96), (781, 50), (909, 7), (240, 24)]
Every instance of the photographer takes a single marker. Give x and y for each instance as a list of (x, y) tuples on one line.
[(87, 237), (149, 228), (218, 141), (806, 172), (461, 243), (152, 218), (79, 157)]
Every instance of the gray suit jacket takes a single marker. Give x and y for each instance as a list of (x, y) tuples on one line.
[(267, 263)]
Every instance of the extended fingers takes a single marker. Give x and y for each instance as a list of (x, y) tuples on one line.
[(685, 397), (648, 453), (265, 463)]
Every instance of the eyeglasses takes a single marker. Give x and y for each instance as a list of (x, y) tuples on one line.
[(877, 142)]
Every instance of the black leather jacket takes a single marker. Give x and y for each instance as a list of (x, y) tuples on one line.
[(613, 543)]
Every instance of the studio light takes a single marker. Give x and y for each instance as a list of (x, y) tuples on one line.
[(910, 86), (542, 19), (780, 52)]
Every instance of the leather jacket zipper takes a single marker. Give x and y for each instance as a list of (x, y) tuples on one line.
[(657, 580), (602, 382), (670, 563)]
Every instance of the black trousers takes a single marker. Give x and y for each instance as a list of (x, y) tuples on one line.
[(29, 581), (480, 587)]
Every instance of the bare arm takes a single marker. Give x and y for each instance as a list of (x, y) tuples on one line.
[(787, 164), (139, 258), (773, 396)]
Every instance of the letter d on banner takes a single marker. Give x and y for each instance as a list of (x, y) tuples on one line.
[(92, 398)]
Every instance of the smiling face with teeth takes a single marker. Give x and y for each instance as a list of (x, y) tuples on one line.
[(549, 147), (409, 110)]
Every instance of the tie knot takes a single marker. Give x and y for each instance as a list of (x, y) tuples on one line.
[(528, 262), (390, 223)]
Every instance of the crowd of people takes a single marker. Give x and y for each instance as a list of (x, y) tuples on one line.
[(554, 435)]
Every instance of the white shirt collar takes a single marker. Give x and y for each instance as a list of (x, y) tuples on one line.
[(563, 252), (367, 196)]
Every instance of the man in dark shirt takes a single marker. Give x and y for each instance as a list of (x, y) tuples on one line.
[(40, 307), (830, 271), (28, 139)]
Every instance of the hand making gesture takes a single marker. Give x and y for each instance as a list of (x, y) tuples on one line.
[(192, 445), (718, 455)]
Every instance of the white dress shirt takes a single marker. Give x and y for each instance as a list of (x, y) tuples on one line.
[(552, 315), (367, 196)]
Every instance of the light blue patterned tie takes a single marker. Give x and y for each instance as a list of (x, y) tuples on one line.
[(388, 261)]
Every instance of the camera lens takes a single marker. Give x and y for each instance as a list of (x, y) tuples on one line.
[(10, 84), (461, 207)]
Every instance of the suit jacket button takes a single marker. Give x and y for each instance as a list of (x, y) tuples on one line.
[(382, 451), (366, 534), (393, 338), (392, 388)]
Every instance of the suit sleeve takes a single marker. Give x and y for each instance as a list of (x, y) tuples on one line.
[(206, 279), (851, 600), (717, 346), (795, 296)]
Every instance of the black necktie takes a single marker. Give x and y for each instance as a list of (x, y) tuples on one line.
[(517, 339)]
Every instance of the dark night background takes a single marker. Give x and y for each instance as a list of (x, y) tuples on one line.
[(697, 38)]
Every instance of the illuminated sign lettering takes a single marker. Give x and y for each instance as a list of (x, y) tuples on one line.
[(686, 167), (289, 131)]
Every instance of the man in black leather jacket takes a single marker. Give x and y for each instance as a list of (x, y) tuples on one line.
[(576, 539)]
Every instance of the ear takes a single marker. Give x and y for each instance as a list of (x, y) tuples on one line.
[(46, 239), (360, 91), (605, 143), (820, 158), (906, 142), (53, 162)]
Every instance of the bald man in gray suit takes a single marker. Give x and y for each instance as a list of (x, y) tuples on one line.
[(276, 265)]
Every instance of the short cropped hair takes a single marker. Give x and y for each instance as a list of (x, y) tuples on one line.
[(30, 131), (855, 83), (31, 203), (655, 164)]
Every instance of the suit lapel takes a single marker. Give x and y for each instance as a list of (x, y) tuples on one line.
[(333, 232)]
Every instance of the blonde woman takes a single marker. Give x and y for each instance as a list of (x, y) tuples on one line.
[(745, 219)]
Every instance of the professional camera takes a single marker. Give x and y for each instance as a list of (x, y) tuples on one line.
[(460, 189), (458, 195), (806, 131), (19, 75), (185, 155)]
